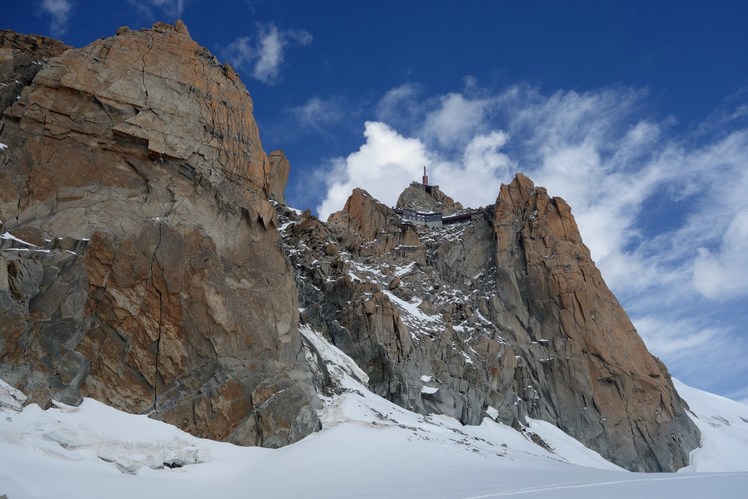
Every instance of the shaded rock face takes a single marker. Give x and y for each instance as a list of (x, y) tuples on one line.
[(503, 316), (21, 57), (156, 283)]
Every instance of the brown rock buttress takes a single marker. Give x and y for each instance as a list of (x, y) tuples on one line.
[(157, 284)]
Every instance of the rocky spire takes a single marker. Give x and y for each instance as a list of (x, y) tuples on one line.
[(599, 384)]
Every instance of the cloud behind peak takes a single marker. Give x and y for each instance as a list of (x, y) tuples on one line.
[(263, 53)]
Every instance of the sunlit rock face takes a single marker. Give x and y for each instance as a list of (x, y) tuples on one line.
[(503, 314), (156, 282)]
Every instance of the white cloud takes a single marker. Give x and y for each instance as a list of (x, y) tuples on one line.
[(171, 8), (317, 114), (697, 351), (676, 338), (387, 159), (399, 105), (455, 120), (241, 52), (476, 178), (263, 53), (269, 55), (60, 11), (723, 274)]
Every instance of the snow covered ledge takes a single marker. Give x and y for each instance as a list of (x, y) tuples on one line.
[(724, 431), (10, 397)]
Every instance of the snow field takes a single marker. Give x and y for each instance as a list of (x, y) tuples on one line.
[(368, 448)]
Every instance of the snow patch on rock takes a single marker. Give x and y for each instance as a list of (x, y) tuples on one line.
[(10, 397)]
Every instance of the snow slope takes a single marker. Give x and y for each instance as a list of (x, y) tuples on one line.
[(724, 431), (368, 448)]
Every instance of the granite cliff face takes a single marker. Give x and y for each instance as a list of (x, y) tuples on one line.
[(147, 271), (504, 316), (147, 260)]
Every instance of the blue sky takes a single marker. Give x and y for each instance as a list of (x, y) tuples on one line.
[(635, 112)]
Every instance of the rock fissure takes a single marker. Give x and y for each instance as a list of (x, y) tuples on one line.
[(154, 258), (143, 73)]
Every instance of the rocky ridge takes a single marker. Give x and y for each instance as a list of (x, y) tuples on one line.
[(502, 316)]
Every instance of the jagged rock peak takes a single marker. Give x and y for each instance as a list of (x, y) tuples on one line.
[(362, 215), (600, 383), (204, 113), (521, 194), (167, 292), (427, 198)]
